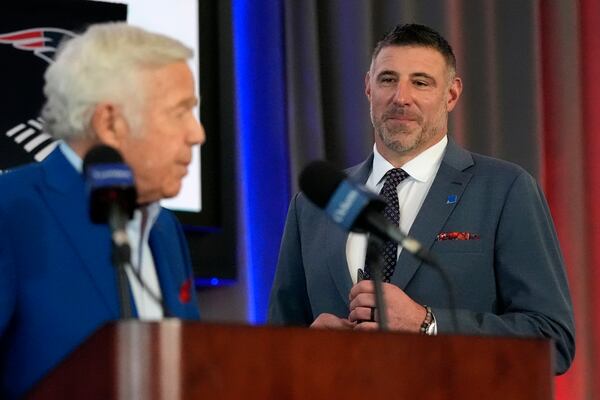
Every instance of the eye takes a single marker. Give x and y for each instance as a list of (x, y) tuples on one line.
[(387, 79), (421, 83), (181, 112)]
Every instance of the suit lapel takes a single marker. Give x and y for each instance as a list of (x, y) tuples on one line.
[(171, 258), (63, 191), (450, 180), (337, 238)]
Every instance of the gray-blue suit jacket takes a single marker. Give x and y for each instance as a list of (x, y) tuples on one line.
[(510, 281)]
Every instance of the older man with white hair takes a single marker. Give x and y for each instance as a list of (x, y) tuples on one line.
[(132, 90)]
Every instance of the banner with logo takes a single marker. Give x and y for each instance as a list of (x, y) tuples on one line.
[(29, 37)]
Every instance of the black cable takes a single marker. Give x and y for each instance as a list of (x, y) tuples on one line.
[(154, 296)]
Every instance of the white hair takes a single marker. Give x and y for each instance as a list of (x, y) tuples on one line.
[(103, 65)]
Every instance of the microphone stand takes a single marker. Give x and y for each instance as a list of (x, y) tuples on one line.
[(121, 257), (375, 262)]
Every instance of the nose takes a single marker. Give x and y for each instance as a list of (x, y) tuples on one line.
[(402, 94), (196, 134)]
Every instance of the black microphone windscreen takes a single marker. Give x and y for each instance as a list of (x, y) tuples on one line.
[(110, 183), (319, 180), (101, 154)]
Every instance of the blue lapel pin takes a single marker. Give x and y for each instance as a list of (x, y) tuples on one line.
[(451, 199)]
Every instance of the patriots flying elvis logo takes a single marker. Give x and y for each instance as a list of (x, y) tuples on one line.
[(43, 42)]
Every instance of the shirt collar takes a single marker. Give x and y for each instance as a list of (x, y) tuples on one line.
[(152, 210), (421, 168), (72, 157)]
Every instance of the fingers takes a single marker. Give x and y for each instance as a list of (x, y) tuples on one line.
[(363, 300), (330, 321), (367, 326), (362, 295), (363, 314), (365, 286), (368, 287)]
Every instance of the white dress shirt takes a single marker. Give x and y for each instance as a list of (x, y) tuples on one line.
[(411, 194)]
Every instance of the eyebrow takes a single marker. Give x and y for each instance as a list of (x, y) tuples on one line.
[(422, 75), (187, 103), (413, 75), (387, 72)]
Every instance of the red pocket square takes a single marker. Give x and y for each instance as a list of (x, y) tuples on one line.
[(457, 236)]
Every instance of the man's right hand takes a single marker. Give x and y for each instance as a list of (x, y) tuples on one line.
[(330, 321)]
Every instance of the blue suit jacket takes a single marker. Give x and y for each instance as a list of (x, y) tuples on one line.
[(511, 281), (57, 282)]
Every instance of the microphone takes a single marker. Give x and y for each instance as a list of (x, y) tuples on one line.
[(110, 183), (113, 199), (353, 206), (112, 193)]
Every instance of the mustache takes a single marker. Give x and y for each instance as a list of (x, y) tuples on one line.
[(400, 112)]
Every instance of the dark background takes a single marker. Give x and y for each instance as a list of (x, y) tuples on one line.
[(212, 232)]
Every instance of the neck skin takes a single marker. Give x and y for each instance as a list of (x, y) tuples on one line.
[(81, 146)]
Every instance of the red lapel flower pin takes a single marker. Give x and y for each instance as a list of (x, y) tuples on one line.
[(185, 291)]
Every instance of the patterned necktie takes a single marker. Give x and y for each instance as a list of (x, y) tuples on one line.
[(392, 212)]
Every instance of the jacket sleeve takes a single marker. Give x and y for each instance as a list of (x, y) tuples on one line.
[(289, 303)]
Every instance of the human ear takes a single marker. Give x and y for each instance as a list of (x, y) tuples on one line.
[(109, 124), (454, 91), (368, 85)]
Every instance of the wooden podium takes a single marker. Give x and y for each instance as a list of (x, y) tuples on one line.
[(192, 360)]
